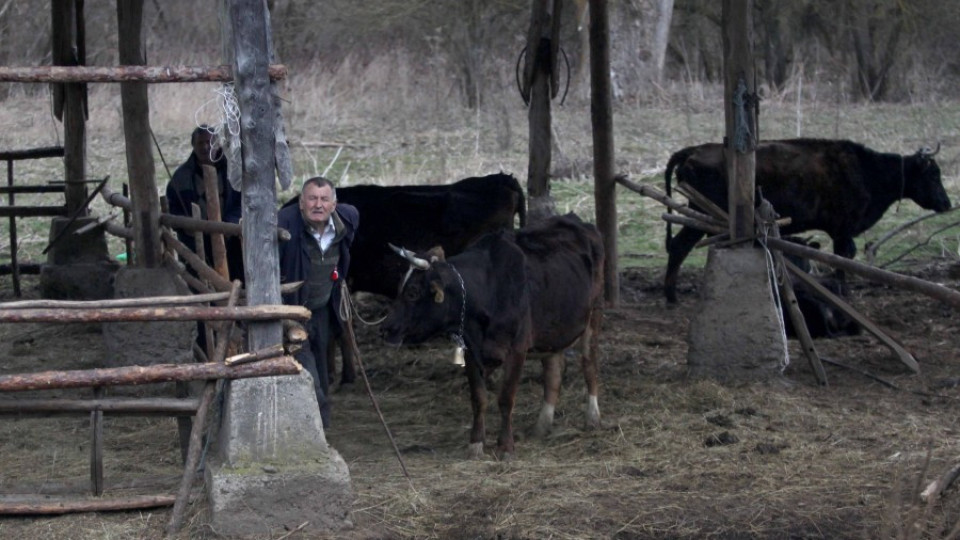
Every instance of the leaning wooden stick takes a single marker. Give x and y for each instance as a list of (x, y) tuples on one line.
[(218, 282), (866, 323), (200, 424)]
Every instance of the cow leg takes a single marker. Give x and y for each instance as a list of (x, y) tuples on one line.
[(844, 247), (589, 351), (478, 401), (513, 369), (677, 251), (552, 376)]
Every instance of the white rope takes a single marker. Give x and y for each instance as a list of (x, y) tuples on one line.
[(225, 128), (775, 275)]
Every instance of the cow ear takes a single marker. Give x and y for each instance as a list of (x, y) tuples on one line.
[(437, 289)]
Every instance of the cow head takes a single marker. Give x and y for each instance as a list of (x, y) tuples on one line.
[(922, 182), (430, 301)]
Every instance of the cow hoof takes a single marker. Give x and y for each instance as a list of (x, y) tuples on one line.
[(542, 429), (475, 450)]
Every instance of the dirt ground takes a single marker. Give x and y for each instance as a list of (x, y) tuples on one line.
[(676, 458)]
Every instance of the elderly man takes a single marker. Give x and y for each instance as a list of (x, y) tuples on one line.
[(318, 253)]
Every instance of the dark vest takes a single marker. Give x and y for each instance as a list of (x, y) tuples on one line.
[(323, 265)]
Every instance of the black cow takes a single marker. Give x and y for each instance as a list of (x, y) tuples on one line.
[(538, 289), (821, 318), (839, 187), (420, 217)]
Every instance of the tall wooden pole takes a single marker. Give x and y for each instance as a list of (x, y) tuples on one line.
[(601, 115), (740, 115), (136, 133), (537, 77), (70, 99)]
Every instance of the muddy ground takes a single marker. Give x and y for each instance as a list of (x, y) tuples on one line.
[(676, 458)]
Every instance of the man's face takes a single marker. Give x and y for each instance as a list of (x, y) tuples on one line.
[(316, 205), (202, 144)]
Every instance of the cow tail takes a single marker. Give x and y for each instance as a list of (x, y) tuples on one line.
[(675, 160), (522, 208)]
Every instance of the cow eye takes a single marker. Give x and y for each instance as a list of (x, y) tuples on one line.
[(411, 294)]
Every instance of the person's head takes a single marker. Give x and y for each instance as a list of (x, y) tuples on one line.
[(202, 139), (318, 200)]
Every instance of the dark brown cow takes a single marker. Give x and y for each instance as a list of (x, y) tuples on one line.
[(839, 187), (539, 290)]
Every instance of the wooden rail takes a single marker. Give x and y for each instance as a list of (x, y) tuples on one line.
[(12, 211)]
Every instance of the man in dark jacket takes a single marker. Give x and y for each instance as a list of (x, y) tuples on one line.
[(187, 188), (318, 253)]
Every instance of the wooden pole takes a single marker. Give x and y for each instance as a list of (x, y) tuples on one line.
[(601, 115), (539, 118), (262, 312), (740, 115), (250, 39), (211, 183), (120, 74), (113, 406), (158, 373), (48, 505), (14, 263), (68, 51), (136, 134)]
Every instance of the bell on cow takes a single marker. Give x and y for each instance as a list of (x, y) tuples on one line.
[(458, 357)]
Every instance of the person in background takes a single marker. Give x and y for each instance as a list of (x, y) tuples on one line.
[(318, 253), (186, 187)]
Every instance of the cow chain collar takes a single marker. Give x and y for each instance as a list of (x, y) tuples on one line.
[(458, 337)]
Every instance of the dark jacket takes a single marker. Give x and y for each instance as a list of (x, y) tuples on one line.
[(182, 194), (294, 259), (182, 191)]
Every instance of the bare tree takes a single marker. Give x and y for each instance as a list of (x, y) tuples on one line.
[(661, 36)]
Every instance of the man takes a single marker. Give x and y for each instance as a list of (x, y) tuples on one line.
[(187, 187), (318, 254)]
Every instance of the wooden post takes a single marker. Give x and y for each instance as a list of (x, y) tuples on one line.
[(250, 37), (740, 115), (136, 133), (536, 89), (96, 448), (14, 264), (601, 115), (69, 51)]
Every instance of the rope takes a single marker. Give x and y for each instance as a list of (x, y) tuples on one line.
[(765, 221), (458, 337), (346, 313), (742, 134), (226, 126)]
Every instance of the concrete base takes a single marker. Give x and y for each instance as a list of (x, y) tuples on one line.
[(266, 499), (736, 335), (77, 267), (275, 469), (148, 343)]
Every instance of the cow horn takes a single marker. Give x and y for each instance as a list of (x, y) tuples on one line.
[(927, 152), (414, 260)]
